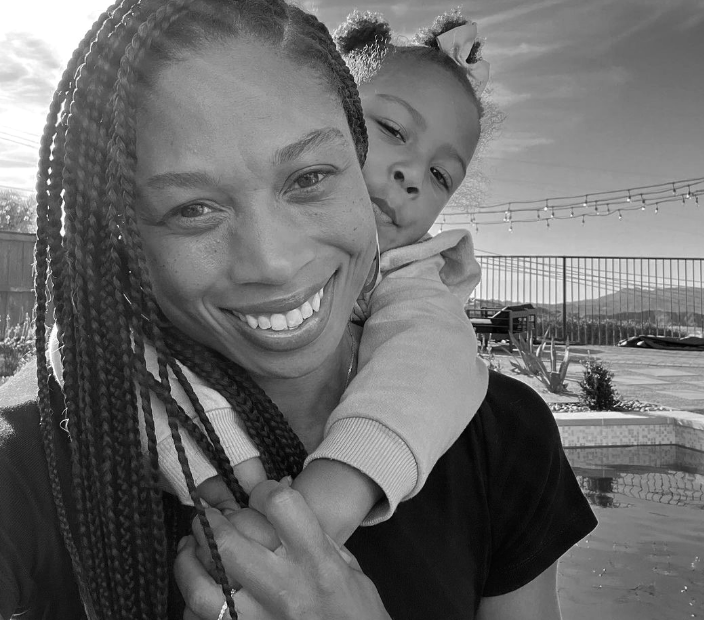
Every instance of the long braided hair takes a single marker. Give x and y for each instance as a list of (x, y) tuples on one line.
[(90, 262)]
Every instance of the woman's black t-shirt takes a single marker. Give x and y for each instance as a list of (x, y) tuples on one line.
[(499, 508)]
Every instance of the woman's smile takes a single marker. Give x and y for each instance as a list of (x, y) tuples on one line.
[(289, 326)]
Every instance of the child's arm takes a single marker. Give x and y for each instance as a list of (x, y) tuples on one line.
[(419, 383), (237, 445)]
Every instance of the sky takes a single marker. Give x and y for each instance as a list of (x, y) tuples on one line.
[(598, 96)]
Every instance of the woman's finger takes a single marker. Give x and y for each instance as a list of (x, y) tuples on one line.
[(294, 522), (203, 597), (246, 561)]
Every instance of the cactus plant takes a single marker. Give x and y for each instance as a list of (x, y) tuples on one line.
[(554, 377)]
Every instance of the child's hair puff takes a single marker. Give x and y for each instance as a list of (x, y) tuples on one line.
[(360, 30), (449, 20)]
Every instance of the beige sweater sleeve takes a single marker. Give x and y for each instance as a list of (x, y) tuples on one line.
[(419, 379)]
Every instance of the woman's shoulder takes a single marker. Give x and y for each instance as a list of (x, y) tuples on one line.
[(517, 413), (19, 415)]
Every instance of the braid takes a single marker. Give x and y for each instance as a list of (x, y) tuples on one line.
[(89, 254)]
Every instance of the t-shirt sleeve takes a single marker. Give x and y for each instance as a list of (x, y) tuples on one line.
[(538, 510), (35, 571)]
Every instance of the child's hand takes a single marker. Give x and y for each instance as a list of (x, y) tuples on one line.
[(214, 491)]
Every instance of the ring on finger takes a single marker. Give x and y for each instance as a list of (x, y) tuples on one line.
[(223, 609)]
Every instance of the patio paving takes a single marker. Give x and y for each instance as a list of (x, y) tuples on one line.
[(673, 379)]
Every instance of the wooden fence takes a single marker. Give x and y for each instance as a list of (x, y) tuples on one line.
[(16, 278)]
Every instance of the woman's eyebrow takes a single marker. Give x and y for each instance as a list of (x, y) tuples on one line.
[(185, 180), (312, 140), (417, 117)]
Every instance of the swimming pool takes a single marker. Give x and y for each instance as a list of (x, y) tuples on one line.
[(645, 560)]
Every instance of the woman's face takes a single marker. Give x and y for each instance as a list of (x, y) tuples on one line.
[(250, 203)]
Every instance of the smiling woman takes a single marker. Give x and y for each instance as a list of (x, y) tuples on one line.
[(251, 208), (186, 211)]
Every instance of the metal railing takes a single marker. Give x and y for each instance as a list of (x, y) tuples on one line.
[(599, 300)]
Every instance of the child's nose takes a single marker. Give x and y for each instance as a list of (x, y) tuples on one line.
[(407, 182)]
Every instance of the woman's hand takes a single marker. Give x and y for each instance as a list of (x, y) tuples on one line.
[(306, 578)]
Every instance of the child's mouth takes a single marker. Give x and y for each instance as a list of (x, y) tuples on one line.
[(382, 211)]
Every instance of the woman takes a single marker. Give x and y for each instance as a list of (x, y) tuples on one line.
[(189, 191)]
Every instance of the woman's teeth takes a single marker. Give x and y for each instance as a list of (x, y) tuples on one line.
[(289, 320)]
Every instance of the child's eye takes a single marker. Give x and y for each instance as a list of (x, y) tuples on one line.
[(392, 129), (441, 177)]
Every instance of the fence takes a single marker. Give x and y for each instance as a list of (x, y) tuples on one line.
[(599, 300), (16, 279)]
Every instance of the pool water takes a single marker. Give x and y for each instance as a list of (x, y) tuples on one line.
[(645, 560)]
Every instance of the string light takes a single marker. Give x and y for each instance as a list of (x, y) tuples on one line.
[(547, 223), (620, 216), (510, 227), (582, 220), (563, 207)]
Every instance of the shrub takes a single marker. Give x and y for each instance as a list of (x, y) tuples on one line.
[(598, 391), (17, 347)]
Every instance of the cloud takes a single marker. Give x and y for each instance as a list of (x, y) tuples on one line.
[(504, 97), (518, 11), (29, 71), (515, 142), (522, 50)]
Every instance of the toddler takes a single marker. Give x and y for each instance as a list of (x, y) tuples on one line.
[(419, 380)]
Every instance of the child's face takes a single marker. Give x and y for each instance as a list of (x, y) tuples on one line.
[(423, 129)]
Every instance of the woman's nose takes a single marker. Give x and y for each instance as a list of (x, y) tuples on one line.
[(269, 249), (408, 179)]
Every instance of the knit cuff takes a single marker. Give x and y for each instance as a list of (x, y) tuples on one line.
[(376, 451)]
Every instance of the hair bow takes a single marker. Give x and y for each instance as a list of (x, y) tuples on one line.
[(457, 44)]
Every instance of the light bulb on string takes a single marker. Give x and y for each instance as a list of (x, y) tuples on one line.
[(545, 208), (684, 200), (552, 214), (596, 208), (510, 227), (620, 215), (571, 212), (608, 209), (642, 203), (582, 220), (674, 191), (537, 213), (629, 196), (657, 205), (547, 223), (688, 195), (696, 199), (586, 199)]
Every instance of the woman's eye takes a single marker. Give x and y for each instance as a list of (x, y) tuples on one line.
[(441, 177), (392, 130), (197, 209), (309, 179)]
